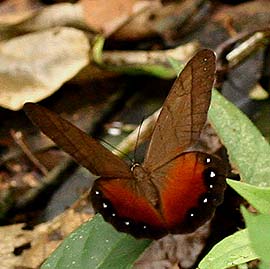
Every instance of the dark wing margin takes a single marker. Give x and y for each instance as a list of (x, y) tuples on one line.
[(84, 149), (184, 111)]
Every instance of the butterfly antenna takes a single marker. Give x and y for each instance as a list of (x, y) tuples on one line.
[(137, 140), (115, 148)]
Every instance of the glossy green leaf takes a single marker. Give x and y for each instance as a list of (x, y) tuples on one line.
[(259, 233), (231, 251), (248, 150), (96, 244), (259, 197)]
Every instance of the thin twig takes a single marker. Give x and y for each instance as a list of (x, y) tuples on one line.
[(19, 140), (128, 144), (53, 178), (229, 56), (246, 48), (227, 47)]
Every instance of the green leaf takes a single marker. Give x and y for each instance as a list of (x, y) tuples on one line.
[(257, 196), (259, 234), (231, 251), (96, 244), (176, 65), (156, 70), (248, 151), (98, 48)]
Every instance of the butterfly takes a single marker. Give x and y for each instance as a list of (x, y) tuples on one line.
[(177, 188)]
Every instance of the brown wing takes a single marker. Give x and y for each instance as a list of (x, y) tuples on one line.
[(184, 112), (84, 149)]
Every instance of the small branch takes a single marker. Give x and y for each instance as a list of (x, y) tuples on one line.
[(157, 57), (229, 56), (53, 178), (253, 43), (19, 140), (128, 144), (155, 63), (249, 41)]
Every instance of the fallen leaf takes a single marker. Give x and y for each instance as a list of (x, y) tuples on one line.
[(12, 236), (64, 14), (167, 19), (34, 66), (104, 16), (246, 16), (183, 249), (29, 248), (13, 11)]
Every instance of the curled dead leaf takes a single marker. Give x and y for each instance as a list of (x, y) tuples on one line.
[(34, 66), (64, 14)]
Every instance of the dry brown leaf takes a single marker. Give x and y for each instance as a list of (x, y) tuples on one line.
[(12, 237), (34, 66), (246, 16), (36, 245), (160, 20), (103, 15), (13, 11), (64, 14), (181, 249)]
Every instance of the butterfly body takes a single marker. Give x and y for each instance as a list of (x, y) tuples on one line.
[(176, 189)]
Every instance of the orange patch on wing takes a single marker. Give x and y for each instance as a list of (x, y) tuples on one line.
[(128, 204), (184, 185)]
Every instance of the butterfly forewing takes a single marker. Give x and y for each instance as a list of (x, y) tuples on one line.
[(184, 111), (84, 149)]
